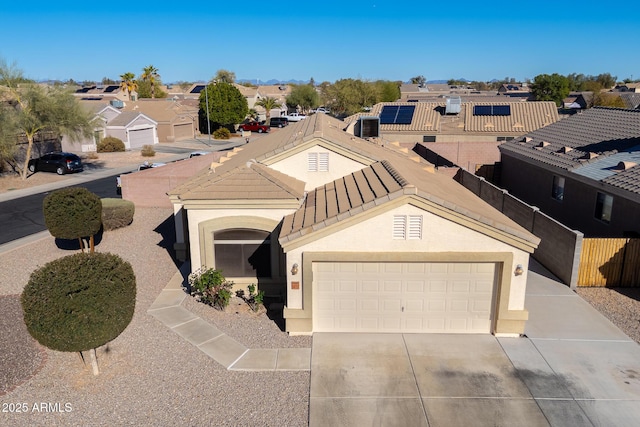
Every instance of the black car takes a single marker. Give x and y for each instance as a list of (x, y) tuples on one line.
[(278, 122), (58, 162)]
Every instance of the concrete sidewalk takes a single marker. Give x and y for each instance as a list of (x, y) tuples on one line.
[(234, 356), (574, 368)]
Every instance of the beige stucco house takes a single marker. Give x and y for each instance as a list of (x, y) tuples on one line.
[(355, 236), (133, 128)]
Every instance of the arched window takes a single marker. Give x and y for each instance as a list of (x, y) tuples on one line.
[(243, 252)]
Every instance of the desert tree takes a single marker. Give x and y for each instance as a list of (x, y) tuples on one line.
[(227, 106), (268, 103), (35, 108), (128, 83), (224, 76), (150, 75)]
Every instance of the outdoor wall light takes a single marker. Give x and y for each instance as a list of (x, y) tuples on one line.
[(519, 270), (294, 269)]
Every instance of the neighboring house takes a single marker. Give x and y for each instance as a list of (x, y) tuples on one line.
[(578, 100), (465, 133), (104, 93), (431, 92), (515, 90), (134, 129), (628, 87), (355, 236), (176, 120), (583, 171)]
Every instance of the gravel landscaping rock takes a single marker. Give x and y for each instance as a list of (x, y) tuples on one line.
[(620, 305), (149, 375)]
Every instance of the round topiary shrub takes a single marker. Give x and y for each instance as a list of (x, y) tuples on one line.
[(79, 302), (117, 213), (110, 144), (222, 133), (72, 213)]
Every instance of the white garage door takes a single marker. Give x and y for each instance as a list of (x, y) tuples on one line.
[(403, 297), (140, 137)]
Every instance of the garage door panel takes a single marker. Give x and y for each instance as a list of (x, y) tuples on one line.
[(403, 297), (369, 305), (392, 286)]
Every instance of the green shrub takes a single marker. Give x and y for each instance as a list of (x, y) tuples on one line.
[(148, 151), (110, 144), (210, 287), (222, 133), (254, 299), (72, 213), (116, 213), (79, 302)]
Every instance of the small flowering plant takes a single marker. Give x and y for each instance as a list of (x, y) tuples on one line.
[(209, 286), (254, 299)]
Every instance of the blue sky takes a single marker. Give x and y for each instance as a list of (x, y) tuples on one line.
[(326, 40)]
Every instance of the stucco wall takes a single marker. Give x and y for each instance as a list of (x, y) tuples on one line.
[(149, 188), (296, 166), (196, 217), (560, 246), (438, 235)]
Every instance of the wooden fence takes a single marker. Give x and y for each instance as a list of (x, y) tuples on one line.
[(610, 263)]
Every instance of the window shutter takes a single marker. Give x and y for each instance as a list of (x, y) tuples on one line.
[(312, 162), (415, 227), (399, 226), (323, 162)]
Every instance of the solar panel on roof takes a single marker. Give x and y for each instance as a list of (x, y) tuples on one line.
[(110, 89), (397, 114), (405, 114), (501, 110), (482, 110), (198, 89), (492, 110)]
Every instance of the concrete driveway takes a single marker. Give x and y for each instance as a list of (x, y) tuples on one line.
[(574, 368)]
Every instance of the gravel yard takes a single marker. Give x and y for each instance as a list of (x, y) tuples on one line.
[(620, 305), (149, 375)]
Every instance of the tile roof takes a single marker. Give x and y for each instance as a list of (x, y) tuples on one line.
[(161, 110), (378, 178), (123, 119), (631, 99), (251, 181), (581, 138), (382, 182), (524, 117), (317, 127)]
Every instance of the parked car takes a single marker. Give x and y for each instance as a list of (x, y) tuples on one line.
[(278, 122), (295, 117), (198, 153), (58, 162), (254, 127)]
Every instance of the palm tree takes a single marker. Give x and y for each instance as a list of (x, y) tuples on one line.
[(151, 75), (128, 83), (268, 104)]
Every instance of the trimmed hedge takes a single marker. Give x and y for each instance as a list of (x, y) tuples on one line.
[(79, 302), (222, 133), (72, 213), (117, 213), (110, 144)]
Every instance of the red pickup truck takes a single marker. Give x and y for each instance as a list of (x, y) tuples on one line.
[(254, 127)]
